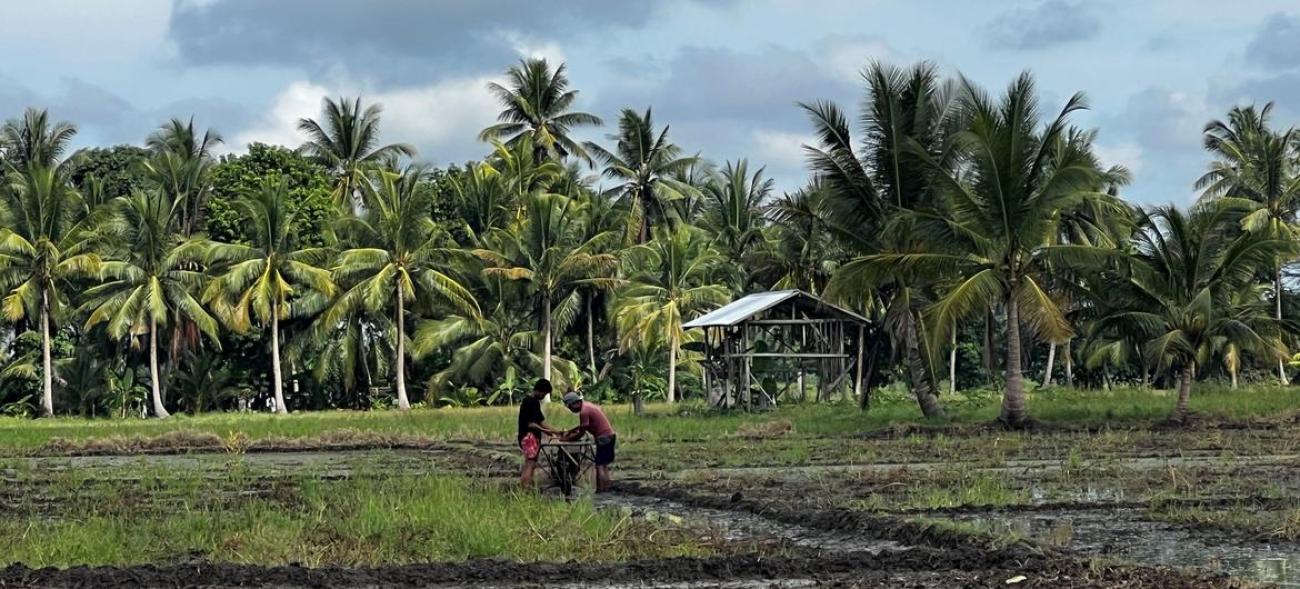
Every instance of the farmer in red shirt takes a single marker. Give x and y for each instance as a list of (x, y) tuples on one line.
[(591, 420)]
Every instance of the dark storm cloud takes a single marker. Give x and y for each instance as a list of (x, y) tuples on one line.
[(1277, 43), (404, 36), (1050, 23)]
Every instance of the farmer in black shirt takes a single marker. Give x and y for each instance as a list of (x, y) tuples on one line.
[(532, 424)]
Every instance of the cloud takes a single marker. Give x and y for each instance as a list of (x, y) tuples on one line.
[(386, 39), (531, 48), (1277, 42), (1158, 133), (780, 148), (722, 84), (1048, 24), (1127, 154), (441, 119), (84, 33), (106, 118), (846, 56), (1164, 120)]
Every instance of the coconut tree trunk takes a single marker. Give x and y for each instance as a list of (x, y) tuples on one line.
[(952, 363), (363, 400), (1184, 393), (158, 410), (546, 337), (1013, 399), (399, 362), (1051, 360), (672, 367), (865, 400), (1069, 364), (1277, 301), (591, 335), (275, 358), (990, 365), (922, 387), (47, 364)]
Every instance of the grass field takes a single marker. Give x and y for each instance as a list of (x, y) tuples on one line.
[(443, 500), (362, 521), (1119, 408)]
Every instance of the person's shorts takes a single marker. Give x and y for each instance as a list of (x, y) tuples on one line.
[(604, 450), (530, 447)]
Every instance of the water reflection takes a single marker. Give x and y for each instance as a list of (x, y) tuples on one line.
[(1121, 533)]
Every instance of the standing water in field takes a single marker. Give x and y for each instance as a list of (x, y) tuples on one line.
[(1123, 534)]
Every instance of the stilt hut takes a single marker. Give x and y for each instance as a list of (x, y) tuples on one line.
[(768, 347)]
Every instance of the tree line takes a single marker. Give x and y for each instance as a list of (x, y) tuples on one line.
[(975, 230)]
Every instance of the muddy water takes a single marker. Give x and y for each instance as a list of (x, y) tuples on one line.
[(740, 526), (1004, 467), (1122, 533)]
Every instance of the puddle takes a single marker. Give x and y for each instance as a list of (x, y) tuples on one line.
[(1088, 494), (740, 526), (1121, 533)]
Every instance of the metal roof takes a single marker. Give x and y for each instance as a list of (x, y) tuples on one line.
[(748, 306)]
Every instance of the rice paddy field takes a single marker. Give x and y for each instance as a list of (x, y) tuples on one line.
[(1103, 493)]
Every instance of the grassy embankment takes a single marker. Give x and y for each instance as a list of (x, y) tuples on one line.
[(1118, 408)]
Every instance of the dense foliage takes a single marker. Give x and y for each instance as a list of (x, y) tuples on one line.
[(975, 230)]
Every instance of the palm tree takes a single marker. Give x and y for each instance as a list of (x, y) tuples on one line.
[(46, 238), (182, 159), (483, 347), (868, 197), (522, 173), (545, 251), (1184, 275), (482, 199), (798, 251), (1002, 213), (400, 256), (734, 200), (1102, 222), (600, 216), (33, 141), (1259, 165), (644, 164), (346, 142), (273, 277), (535, 107), (670, 280), (152, 278)]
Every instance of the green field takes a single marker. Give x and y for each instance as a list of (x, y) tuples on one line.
[(1119, 408)]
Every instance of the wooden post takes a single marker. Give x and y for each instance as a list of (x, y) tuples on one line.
[(803, 343), (727, 372), (748, 362), (842, 361), (857, 381)]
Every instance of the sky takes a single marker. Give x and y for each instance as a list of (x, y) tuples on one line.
[(726, 75)]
